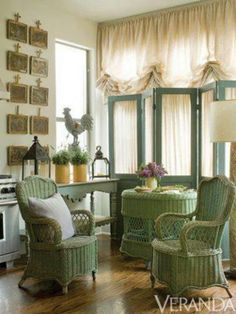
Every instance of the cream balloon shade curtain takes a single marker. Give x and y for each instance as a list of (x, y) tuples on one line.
[(187, 46), (182, 47)]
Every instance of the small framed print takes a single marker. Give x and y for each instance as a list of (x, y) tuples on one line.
[(18, 92), (15, 155), (39, 95), (38, 37), (39, 125), (17, 124), (17, 61), (38, 67), (17, 31)]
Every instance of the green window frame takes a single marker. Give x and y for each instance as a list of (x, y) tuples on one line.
[(192, 180)]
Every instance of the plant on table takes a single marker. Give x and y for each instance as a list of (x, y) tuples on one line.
[(152, 173), (79, 158), (62, 171)]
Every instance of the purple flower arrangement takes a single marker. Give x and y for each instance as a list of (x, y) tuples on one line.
[(152, 169)]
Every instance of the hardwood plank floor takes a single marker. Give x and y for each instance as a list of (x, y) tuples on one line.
[(122, 286)]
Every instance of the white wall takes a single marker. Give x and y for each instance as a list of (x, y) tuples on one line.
[(60, 25)]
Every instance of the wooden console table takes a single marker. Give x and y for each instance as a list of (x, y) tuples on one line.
[(77, 191), (139, 212)]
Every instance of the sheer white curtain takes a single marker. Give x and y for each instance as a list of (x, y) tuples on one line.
[(184, 46), (148, 129), (176, 134), (207, 146), (125, 136)]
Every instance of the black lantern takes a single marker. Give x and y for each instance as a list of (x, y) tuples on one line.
[(100, 165), (38, 154)]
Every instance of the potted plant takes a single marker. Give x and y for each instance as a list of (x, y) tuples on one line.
[(79, 159), (61, 160), (152, 174)]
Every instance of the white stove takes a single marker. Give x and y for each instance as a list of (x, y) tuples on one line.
[(7, 188), (9, 221)]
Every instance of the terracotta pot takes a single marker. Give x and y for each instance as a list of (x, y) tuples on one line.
[(80, 173), (62, 173)]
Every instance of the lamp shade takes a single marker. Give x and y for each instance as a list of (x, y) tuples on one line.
[(223, 121)]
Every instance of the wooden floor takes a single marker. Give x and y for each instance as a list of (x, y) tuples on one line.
[(122, 286)]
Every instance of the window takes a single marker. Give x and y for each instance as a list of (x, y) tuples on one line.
[(125, 138), (207, 98), (176, 134), (159, 125), (71, 89), (170, 126)]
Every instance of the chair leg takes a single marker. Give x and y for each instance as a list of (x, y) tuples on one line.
[(65, 289), (20, 284), (24, 277), (229, 293), (94, 275), (153, 280)]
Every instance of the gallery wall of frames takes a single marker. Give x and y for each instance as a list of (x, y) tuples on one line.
[(20, 62)]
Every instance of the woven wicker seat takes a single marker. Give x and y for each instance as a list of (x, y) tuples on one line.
[(174, 246), (186, 252), (50, 257)]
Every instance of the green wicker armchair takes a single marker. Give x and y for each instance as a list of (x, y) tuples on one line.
[(50, 257), (186, 252)]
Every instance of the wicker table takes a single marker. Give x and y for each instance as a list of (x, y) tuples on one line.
[(139, 212)]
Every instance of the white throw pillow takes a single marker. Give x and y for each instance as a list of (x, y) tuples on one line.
[(54, 207)]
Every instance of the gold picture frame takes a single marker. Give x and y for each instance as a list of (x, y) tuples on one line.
[(38, 67), (18, 92), (39, 125), (38, 37), (15, 155), (17, 61), (17, 124), (39, 96), (17, 31)]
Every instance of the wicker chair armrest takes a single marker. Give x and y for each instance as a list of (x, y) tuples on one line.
[(202, 234), (83, 221), (44, 230), (169, 225)]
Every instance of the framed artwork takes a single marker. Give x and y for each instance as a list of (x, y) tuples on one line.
[(38, 66), (38, 37), (17, 31), (18, 92), (17, 124), (39, 125), (39, 95), (17, 61), (15, 155)]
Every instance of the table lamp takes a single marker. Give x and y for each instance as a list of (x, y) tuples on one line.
[(222, 130)]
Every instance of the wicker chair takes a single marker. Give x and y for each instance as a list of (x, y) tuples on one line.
[(50, 257), (186, 252)]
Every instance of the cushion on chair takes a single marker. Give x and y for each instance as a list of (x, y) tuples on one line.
[(77, 241), (174, 247), (54, 207)]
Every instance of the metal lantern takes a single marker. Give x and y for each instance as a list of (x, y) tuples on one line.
[(100, 165), (37, 154)]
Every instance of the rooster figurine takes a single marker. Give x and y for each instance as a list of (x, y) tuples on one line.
[(77, 127)]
